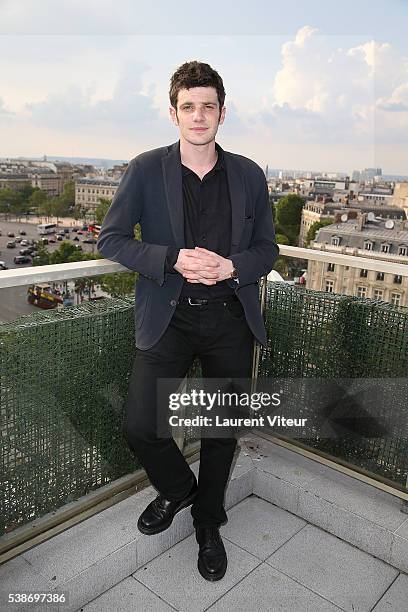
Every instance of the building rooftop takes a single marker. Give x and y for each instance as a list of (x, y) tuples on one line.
[(98, 181), (375, 230), (300, 536)]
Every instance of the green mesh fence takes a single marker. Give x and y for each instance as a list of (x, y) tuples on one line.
[(64, 377), (327, 335)]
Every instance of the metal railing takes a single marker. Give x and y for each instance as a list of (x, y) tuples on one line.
[(67, 271)]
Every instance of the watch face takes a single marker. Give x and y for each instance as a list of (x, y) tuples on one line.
[(234, 273)]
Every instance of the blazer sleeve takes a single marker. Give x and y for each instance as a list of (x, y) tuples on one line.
[(116, 239), (258, 259)]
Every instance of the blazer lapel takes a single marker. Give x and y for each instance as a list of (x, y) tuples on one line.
[(171, 166), (237, 194)]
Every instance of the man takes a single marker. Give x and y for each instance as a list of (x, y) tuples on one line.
[(207, 238)]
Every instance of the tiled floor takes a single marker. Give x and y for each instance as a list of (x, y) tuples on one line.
[(276, 562)]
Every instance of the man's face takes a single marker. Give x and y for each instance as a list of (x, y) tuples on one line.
[(197, 115)]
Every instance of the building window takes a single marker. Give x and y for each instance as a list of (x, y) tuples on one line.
[(395, 299), (361, 292), (329, 286), (335, 240), (330, 267), (368, 245), (363, 273), (378, 294), (397, 279), (380, 276), (385, 247), (402, 250)]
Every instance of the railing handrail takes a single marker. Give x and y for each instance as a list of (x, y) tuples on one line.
[(94, 267)]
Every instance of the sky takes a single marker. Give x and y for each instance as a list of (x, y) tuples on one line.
[(318, 85)]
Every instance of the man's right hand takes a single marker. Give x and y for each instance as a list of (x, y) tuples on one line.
[(197, 267)]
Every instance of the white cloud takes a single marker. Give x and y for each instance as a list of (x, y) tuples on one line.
[(334, 94), (77, 108)]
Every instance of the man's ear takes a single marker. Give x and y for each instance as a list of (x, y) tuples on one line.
[(173, 115), (222, 115)]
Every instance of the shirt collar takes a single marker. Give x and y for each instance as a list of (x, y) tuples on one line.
[(219, 164)]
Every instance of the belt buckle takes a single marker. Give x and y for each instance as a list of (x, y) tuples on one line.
[(192, 303)]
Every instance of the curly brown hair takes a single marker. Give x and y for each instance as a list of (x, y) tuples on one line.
[(195, 74)]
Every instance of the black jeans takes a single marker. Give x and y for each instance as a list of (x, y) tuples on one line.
[(218, 334)]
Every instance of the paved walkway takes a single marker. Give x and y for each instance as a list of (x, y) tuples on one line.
[(276, 562)]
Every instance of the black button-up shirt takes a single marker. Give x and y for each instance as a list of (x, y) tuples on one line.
[(207, 222)]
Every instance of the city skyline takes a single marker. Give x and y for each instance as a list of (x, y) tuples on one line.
[(309, 98)]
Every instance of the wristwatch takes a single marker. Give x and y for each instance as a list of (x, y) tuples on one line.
[(234, 275)]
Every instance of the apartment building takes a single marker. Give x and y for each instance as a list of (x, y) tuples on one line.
[(13, 181), (363, 236), (88, 191)]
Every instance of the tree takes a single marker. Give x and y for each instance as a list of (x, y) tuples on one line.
[(58, 207), (26, 192), (288, 216), (65, 252), (37, 199), (6, 200), (282, 239), (102, 209), (314, 228), (45, 208), (43, 256), (67, 197)]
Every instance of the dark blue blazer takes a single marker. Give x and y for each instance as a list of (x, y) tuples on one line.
[(150, 193)]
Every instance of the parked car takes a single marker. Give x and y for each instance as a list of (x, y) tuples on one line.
[(59, 237), (24, 242), (85, 228), (18, 239), (51, 240), (78, 246), (23, 233), (0, 233), (10, 234), (22, 259), (74, 229), (3, 265), (66, 230), (89, 240), (11, 244), (25, 251), (75, 238), (44, 241)]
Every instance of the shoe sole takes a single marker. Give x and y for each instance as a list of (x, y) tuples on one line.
[(153, 531), (206, 575)]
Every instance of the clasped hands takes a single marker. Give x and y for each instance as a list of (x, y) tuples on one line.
[(202, 266)]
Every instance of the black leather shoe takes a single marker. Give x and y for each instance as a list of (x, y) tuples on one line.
[(159, 514), (212, 558)]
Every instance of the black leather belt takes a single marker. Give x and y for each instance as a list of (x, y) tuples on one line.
[(191, 301)]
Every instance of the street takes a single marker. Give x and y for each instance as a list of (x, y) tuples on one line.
[(13, 300)]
